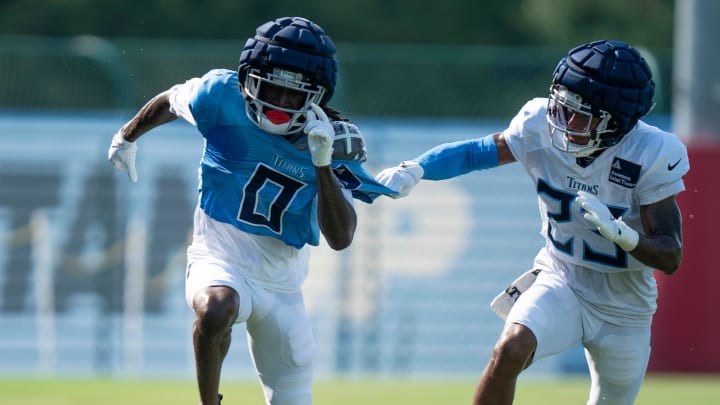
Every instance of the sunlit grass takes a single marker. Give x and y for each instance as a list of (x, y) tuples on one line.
[(657, 390)]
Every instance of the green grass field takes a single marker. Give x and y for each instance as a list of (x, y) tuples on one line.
[(666, 390)]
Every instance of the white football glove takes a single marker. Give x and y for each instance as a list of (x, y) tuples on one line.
[(401, 178), (122, 155), (321, 135), (614, 230)]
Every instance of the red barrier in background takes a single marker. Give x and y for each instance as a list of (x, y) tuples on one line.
[(686, 328)]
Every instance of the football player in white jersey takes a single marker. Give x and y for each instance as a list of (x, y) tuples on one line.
[(606, 184), (275, 173)]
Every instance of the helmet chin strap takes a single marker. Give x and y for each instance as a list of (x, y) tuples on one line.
[(587, 152), (561, 141)]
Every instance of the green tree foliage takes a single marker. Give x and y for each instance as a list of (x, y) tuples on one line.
[(646, 23), (488, 22), (431, 58)]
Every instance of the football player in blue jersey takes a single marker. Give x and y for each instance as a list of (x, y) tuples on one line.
[(606, 183), (279, 167)]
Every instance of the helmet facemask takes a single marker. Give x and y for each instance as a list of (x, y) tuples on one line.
[(576, 127), (279, 119)]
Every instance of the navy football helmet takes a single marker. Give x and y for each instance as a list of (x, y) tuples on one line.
[(598, 93), (291, 55)]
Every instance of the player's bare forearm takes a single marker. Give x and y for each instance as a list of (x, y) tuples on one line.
[(336, 216), (505, 156), (661, 246), (154, 113)]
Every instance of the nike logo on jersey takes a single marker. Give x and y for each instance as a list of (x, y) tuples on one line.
[(672, 166)]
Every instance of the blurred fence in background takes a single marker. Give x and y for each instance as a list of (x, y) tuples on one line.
[(92, 73), (92, 266)]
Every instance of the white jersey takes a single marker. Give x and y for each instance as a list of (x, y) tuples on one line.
[(646, 166)]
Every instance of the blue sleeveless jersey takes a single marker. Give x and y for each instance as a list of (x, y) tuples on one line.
[(258, 181)]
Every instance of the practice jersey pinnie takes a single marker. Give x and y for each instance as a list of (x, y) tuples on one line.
[(646, 166), (257, 181)]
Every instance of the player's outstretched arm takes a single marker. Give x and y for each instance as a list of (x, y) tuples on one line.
[(447, 161), (123, 149), (153, 114)]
